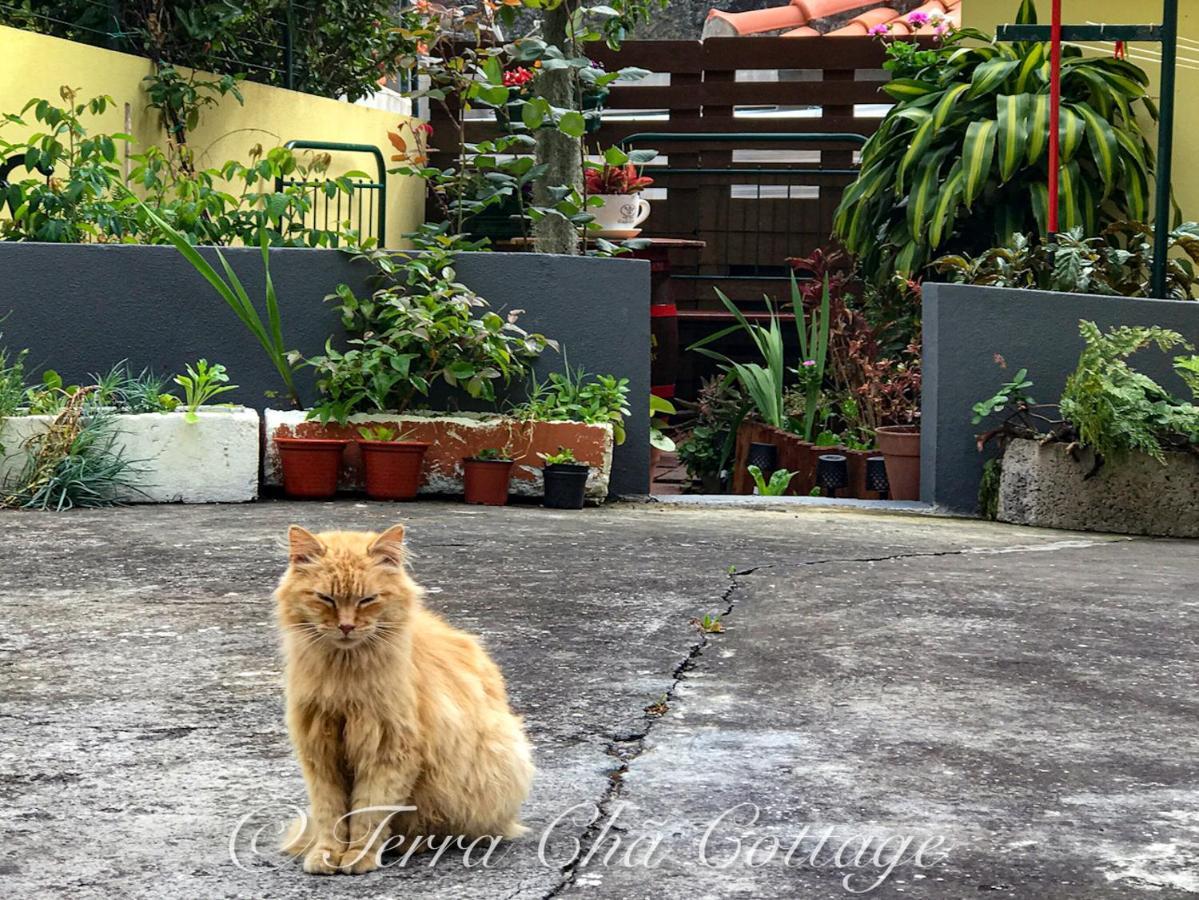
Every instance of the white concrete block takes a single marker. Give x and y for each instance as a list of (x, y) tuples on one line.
[(214, 460)]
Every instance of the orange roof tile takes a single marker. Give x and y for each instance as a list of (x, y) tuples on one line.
[(793, 18)]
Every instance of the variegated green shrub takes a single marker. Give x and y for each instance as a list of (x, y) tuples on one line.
[(960, 163)]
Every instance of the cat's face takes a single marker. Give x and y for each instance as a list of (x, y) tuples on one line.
[(345, 589)]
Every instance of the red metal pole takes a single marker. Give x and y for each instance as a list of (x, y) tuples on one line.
[(1055, 105)]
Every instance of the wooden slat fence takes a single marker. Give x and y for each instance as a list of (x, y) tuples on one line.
[(754, 201)]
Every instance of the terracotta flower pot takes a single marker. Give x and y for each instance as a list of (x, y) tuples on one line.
[(310, 465), (900, 446), (392, 468), (485, 481)]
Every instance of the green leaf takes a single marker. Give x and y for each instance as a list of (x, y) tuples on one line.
[(990, 75), (924, 191), (945, 211), (921, 141), (1029, 67), (572, 123), (1038, 129), (977, 150), (1071, 130), (614, 156), (1012, 114), (1105, 149), (946, 104), (1069, 212), (908, 88), (534, 113), (1136, 189)]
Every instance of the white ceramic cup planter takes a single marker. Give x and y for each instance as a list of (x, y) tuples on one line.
[(213, 460), (620, 213)]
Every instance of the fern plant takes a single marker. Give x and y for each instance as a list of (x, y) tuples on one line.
[(1116, 409), (960, 163)]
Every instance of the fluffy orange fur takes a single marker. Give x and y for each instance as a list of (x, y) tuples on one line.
[(388, 705)]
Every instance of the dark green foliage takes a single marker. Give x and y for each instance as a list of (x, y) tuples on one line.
[(341, 47), (419, 328), (959, 164), (575, 396), (12, 381), (715, 415), (1116, 263), (1116, 409), (1011, 393), (89, 198), (77, 462)]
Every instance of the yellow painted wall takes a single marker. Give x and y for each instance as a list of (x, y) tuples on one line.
[(34, 65), (986, 14)]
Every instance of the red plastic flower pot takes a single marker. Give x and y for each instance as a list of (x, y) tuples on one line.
[(310, 465), (486, 481), (900, 446), (392, 468)]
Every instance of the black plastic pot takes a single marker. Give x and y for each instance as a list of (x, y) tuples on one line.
[(565, 485)]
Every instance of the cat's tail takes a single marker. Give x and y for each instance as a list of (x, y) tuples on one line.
[(514, 830)]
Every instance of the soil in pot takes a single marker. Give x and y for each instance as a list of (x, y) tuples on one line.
[(310, 465), (485, 481), (900, 446), (565, 485), (391, 469)]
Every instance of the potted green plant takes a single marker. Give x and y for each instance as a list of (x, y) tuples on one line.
[(614, 195), (565, 479), (659, 441), (1121, 453), (391, 464), (485, 477)]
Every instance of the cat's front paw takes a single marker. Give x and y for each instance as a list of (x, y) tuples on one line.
[(323, 859), (359, 860)]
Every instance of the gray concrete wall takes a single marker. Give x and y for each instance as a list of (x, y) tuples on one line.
[(966, 326), (81, 308)]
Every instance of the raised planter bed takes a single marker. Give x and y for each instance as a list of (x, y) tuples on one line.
[(967, 327), (214, 460), (1044, 485), (796, 455), (453, 438), (85, 306)]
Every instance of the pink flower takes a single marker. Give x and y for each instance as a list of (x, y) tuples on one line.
[(808, 363), (879, 30), (918, 19)]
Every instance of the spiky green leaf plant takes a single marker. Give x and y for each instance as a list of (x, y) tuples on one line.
[(960, 163)]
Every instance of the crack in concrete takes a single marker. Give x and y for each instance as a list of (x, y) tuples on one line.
[(626, 748)]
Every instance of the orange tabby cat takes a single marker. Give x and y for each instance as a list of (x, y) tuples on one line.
[(388, 705)]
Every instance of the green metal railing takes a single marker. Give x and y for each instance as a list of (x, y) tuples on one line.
[(374, 193)]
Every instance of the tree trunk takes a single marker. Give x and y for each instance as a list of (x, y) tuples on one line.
[(560, 152)]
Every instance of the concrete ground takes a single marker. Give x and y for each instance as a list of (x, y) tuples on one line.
[(938, 707)]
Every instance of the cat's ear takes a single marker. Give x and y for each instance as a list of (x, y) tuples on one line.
[(303, 545), (389, 546)]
